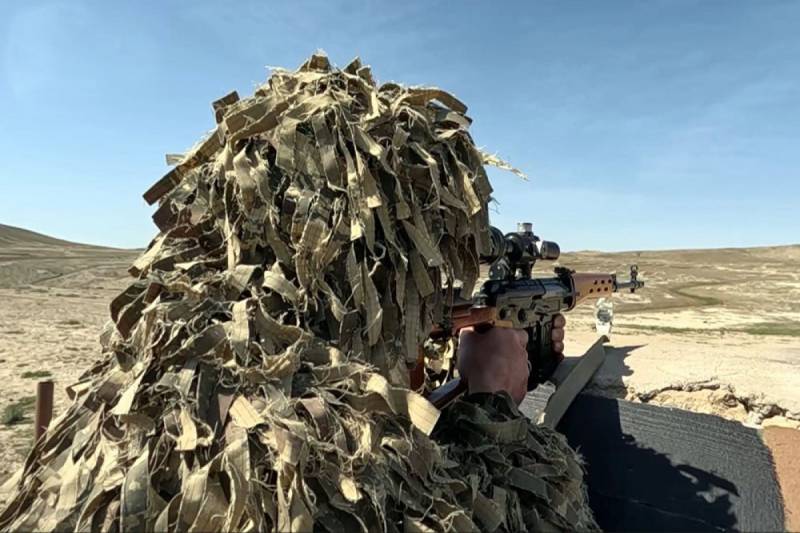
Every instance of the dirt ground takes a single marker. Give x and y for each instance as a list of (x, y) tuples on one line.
[(54, 300), (784, 443), (714, 331)]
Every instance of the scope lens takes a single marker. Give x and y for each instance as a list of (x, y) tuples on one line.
[(549, 250)]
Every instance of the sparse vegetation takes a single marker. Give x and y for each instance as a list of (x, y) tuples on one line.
[(699, 301), (786, 329), (17, 412), (34, 374), (664, 329), (13, 414)]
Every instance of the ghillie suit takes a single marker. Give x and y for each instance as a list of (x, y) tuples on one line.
[(255, 374)]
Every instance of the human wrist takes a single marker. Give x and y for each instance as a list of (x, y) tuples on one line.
[(486, 386)]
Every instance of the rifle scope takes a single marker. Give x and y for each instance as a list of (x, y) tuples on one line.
[(520, 249)]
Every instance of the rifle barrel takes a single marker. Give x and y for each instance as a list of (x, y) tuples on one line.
[(632, 285)]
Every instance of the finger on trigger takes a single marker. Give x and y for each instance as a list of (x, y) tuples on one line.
[(522, 336), (559, 321)]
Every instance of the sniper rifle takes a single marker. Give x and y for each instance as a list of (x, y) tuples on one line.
[(513, 298)]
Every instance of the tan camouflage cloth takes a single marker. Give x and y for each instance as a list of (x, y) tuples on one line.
[(255, 373)]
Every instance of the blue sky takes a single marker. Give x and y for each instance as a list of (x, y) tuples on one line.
[(643, 125)]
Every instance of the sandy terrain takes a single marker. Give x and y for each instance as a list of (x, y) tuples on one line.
[(714, 331), (54, 300), (784, 444)]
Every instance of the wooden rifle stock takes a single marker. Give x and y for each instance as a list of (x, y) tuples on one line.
[(463, 316), (466, 316), (547, 295)]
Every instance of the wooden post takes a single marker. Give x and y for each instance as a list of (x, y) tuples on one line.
[(44, 407)]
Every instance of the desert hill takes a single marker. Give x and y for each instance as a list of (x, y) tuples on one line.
[(760, 281), (714, 330), (14, 236), (30, 258), (54, 297)]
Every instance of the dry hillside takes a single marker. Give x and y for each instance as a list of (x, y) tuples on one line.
[(715, 330), (54, 300)]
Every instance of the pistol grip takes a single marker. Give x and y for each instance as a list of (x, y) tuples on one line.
[(542, 359)]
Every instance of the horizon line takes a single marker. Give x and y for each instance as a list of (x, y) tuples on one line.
[(580, 251)]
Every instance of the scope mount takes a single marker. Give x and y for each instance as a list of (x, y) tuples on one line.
[(514, 254)]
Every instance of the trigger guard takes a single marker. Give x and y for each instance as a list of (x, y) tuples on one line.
[(542, 360)]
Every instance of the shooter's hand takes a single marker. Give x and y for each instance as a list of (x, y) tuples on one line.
[(497, 360), (557, 336), (494, 361)]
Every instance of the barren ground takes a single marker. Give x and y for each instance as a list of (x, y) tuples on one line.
[(714, 331), (54, 300)]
